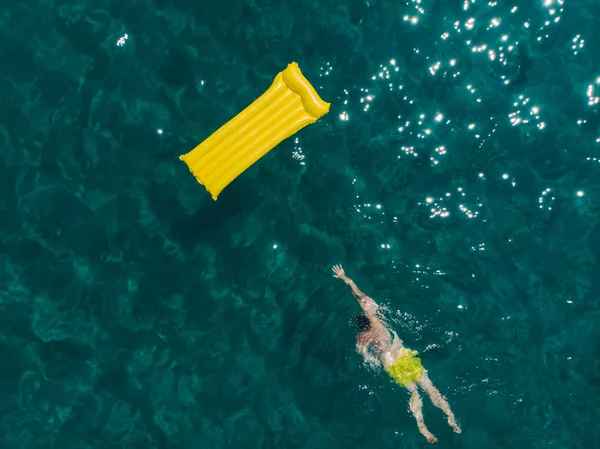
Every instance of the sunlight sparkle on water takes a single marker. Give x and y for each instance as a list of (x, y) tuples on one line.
[(122, 40)]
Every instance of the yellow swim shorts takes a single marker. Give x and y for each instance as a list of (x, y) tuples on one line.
[(406, 369)]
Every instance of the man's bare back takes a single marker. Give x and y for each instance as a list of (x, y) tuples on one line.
[(385, 345)]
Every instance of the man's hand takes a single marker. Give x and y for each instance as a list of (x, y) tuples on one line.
[(339, 272)]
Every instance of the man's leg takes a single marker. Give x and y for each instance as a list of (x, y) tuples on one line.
[(416, 407), (438, 400)]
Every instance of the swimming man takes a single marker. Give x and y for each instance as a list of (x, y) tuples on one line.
[(380, 346)]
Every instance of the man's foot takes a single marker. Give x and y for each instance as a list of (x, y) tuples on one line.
[(430, 438), (427, 434), (452, 423)]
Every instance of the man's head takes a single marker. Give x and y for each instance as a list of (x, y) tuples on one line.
[(362, 322)]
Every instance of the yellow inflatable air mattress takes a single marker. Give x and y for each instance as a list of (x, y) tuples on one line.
[(287, 106)]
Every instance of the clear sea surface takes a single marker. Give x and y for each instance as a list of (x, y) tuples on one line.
[(456, 178)]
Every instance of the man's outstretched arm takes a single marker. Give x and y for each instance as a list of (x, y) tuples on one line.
[(367, 304)]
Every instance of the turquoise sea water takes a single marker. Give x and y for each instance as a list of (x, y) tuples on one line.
[(457, 179)]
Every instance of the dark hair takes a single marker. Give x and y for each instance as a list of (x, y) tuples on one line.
[(362, 322)]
